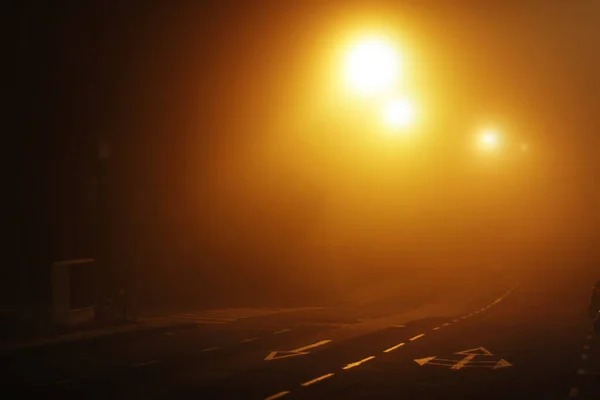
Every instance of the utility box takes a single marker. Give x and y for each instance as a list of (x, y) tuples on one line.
[(74, 291)]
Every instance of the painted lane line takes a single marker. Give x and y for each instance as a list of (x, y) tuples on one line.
[(143, 364), (394, 347), (319, 379), (210, 349), (446, 324), (574, 392), (356, 364), (399, 326), (416, 337), (278, 395), (436, 328), (249, 340), (456, 320), (281, 331)]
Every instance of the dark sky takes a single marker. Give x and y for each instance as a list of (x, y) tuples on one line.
[(190, 96)]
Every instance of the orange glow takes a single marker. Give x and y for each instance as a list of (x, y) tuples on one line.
[(399, 113)]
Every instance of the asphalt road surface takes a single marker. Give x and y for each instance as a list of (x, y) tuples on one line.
[(493, 340)]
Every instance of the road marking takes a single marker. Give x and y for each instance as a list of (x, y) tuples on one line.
[(456, 320), (319, 379), (278, 395), (69, 380), (581, 371), (416, 337), (574, 392), (249, 340), (394, 347), (210, 349), (281, 331), (466, 361), (436, 328), (446, 324), (296, 352), (399, 326), (356, 364), (584, 356), (143, 364)]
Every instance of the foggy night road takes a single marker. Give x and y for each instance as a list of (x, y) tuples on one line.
[(527, 339)]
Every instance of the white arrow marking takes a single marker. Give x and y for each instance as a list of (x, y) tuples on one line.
[(478, 351), (464, 361), (274, 355), (502, 364), (423, 361)]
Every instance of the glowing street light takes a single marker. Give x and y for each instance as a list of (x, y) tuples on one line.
[(490, 140), (399, 113), (371, 66)]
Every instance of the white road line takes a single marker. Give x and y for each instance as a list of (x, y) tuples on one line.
[(319, 379), (357, 363), (417, 337), (249, 340), (210, 349), (574, 392), (143, 364), (394, 347), (281, 331), (436, 328), (446, 324), (456, 320), (278, 395)]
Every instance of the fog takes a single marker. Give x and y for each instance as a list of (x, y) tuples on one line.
[(243, 174)]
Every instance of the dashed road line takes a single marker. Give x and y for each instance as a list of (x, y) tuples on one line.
[(319, 379), (446, 324), (412, 339), (436, 328), (210, 349), (278, 395), (249, 340), (357, 363), (145, 363), (281, 331), (456, 320), (394, 347)]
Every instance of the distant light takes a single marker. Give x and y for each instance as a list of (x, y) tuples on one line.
[(399, 113), (372, 66), (490, 139), (525, 147)]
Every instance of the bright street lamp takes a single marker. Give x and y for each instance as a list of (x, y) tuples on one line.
[(490, 140), (371, 66)]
